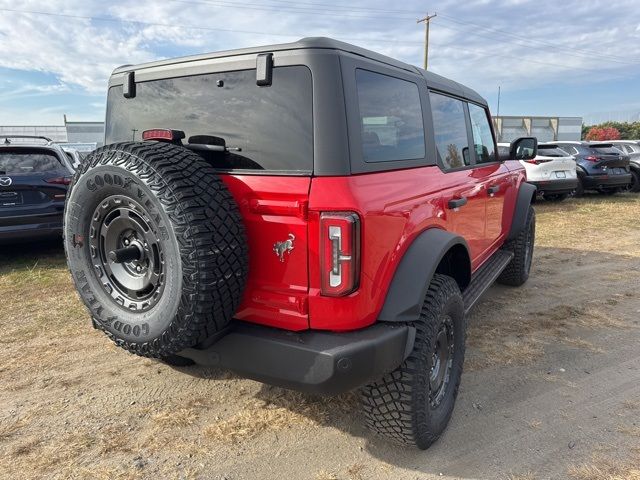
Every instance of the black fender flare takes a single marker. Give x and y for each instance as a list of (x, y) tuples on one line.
[(526, 196), (411, 280)]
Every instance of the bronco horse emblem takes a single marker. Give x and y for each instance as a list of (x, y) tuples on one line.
[(281, 247)]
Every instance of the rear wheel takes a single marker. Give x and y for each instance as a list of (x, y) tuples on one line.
[(579, 191), (155, 245), (413, 404), (635, 181), (517, 272)]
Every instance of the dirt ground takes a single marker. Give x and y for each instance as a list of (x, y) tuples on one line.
[(551, 387)]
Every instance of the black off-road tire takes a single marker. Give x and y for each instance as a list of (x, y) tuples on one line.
[(399, 405), (517, 272), (196, 252)]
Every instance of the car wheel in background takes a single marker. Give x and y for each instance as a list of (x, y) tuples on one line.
[(635, 183), (555, 197)]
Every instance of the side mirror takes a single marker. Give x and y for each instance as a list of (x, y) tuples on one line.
[(524, 148)]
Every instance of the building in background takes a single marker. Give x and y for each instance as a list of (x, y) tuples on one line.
[(83, 136), (545, 129)]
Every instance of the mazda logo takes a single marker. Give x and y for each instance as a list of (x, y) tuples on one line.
[(5, 181)]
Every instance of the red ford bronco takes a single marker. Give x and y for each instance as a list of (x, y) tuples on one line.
[(311, 215)]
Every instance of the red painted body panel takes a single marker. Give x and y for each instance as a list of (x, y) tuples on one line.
[(394, 207), (273, 208)]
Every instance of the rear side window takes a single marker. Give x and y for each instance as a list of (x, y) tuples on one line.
[(450, 131), (271, 125), (390, 118), (28, 161), (482, 137)]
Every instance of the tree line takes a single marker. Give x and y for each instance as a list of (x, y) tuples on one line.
[(611, 131)]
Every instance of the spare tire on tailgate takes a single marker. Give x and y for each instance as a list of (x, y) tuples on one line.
[(156, 246)]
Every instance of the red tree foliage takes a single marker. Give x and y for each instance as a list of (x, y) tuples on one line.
[(603, 133)]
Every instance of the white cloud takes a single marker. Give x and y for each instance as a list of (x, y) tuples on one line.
[(525, 43)]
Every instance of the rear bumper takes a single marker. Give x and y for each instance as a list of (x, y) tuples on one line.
[(559, 186), (311, 361), (606, 181)]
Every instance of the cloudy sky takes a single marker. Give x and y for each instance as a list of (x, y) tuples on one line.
[(550, 58)]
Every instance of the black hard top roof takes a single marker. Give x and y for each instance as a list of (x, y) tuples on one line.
[(433, 80)]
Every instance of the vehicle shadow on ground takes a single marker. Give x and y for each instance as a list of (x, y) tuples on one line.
[(31, 252)]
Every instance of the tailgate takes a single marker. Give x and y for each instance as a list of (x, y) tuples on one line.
[(274, 211)]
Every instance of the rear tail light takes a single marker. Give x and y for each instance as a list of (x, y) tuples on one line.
[(59, 180), (533, 161), (339, 253), (165, 134), (592, 158)]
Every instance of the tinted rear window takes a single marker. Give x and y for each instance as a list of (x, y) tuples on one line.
[(272, 125), (390, 118), (551, 151), (28, 161), (606, 150)]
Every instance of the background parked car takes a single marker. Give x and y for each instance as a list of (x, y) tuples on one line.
[(631, 148), (34, 178), (74, 157), (552, 171), (600, 166)]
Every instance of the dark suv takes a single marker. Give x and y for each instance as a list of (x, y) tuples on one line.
[(631, 148), (600, 166), (34, 177), (312, 215)]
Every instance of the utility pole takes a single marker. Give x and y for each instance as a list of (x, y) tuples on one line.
[(498, 112), (133, 134), (426, 21)]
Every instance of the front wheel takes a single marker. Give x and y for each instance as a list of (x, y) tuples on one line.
[(413, 404)]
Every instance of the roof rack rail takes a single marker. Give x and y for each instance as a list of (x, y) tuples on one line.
[(39, 137)]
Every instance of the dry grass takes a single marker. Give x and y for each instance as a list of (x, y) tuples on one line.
[(255, 418), (631, 430), (325, 475), (181, 417), (508, 338), (584, 220), (356, 471), (601, 468), (631, 404)]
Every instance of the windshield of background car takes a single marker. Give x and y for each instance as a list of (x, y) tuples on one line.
[(272, 125), (13, 161)]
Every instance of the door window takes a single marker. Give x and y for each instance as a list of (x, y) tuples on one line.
[(483, 143), (390, 118), (450, 131)]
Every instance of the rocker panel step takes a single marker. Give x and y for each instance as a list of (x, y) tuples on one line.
[(484, 278)]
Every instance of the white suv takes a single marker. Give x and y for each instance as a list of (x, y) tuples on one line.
[(552, 171)]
